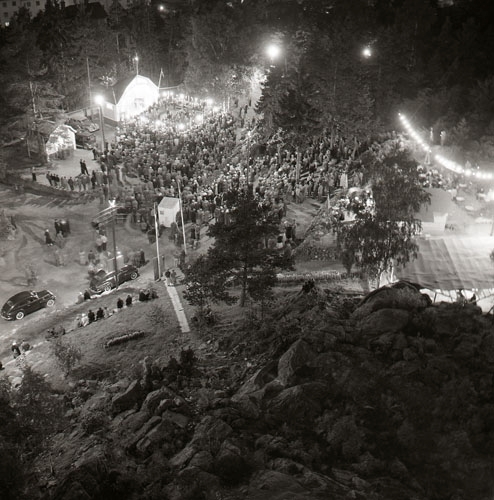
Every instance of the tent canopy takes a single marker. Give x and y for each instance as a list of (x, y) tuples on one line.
[(62, 138), (452, 263), (441, 204)]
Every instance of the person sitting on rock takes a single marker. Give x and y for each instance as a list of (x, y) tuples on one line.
[(142, 296), (83, 320), (120, 303), (91, 316), (128, 300), (100, 313)]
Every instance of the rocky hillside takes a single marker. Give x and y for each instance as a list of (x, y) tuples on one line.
[(391, 398)]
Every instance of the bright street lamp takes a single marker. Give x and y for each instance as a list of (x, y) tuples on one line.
[(273, 51), (100, 100), (367, 52)]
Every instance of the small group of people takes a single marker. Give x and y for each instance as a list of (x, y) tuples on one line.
[(128, 302), (17, 349), (146, 295), (171, 277), (91, 316)]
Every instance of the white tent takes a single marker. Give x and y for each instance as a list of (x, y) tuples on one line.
[(129, 97), (61, 142), (446, 265), (168, 210)]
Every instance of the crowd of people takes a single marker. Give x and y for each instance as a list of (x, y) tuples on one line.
[(166, 152), (104, 312)]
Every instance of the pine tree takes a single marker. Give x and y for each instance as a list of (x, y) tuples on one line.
[(241, 244)]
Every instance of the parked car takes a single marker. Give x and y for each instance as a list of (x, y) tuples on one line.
[(23, 303), (82, 125), (85, 140), (104, 281)]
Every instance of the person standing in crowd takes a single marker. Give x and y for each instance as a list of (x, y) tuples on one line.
[(84, 170), (16, 350), (48, 239), (33, 174), (104, 241), (168, 275)]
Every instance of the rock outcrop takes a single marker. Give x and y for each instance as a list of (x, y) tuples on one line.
[(395, 401)]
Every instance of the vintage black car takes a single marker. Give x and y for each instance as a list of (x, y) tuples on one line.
[(104, 281), (23, 303)]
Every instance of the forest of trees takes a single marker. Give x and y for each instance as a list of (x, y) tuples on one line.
[(428, 58)]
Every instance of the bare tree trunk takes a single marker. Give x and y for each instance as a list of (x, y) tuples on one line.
[(243, 295)]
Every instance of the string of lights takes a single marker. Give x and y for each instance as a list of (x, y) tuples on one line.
[(444, 162)]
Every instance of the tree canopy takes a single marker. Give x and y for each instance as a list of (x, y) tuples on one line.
[(242, 244), (384, 232)]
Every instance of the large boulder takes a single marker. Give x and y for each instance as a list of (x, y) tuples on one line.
[(210, 433), (262, 377), (131, 398), (401, 295), (384, 321), (230, 464), (274, 485), (154, 398), (293, 361), (298, 405)]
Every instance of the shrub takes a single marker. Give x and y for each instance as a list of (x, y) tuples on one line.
[(187, 360), (94, 422), (67, 355)]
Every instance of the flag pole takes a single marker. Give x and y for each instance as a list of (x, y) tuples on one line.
[(156, 232), (182, 215), (159, 81)]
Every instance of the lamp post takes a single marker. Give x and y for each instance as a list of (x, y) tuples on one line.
[(370, 55), (104, 217), (136, 60), (99, 100), (274, 51)]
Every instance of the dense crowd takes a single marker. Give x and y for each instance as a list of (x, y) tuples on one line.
[(182, 148)]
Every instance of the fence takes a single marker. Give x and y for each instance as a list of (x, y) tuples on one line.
[(327, 276)]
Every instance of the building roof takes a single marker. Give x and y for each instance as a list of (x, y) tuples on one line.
[(93, 10), (452, 263), (115, 92)]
